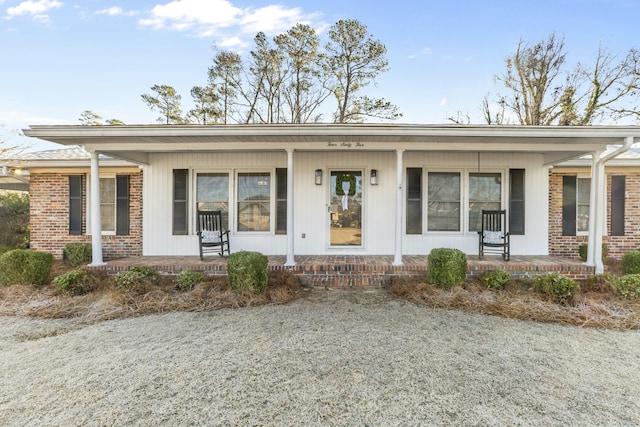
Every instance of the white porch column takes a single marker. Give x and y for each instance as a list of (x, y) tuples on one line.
[(290, 231), (96, 226), (593, 197), (397, 257)]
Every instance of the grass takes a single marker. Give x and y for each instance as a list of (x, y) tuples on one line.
[(597, 305)]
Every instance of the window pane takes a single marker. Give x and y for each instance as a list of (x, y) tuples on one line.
[(254, 191), (485, 190), (108, 204), (584, 190), (443, 205), (212, 194)]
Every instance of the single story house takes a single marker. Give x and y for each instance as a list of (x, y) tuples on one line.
[(330, 189)]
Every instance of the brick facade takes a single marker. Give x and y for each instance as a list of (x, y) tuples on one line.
[(50, 217), (567, 246)]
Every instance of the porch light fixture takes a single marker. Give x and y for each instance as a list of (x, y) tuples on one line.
[(374, 177), (318, 176)]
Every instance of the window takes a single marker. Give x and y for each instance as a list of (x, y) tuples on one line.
[(414, 201), (212, 194), (443, 201), (584, 188), (575, 205), (254, 205), (485, 192), (114, 204), (281, 201), (180, 201)]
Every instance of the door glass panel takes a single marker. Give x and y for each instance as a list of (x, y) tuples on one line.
[(346, 208)]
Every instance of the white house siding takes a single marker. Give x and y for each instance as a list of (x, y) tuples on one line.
[(311, 216)]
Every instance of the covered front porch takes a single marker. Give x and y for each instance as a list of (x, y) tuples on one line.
[(358, 271)]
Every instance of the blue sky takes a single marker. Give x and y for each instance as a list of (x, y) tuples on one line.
[(61, 57)]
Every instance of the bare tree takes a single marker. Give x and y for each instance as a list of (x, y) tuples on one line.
[(224, 75), (543, 92)]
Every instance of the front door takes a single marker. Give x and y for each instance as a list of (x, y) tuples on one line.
[(345, 208)]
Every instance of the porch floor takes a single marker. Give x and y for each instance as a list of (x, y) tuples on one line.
[(358, 271)]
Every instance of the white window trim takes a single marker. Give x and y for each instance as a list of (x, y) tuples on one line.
[(193, 206), (88, 205), (463, 203), (272, 201)]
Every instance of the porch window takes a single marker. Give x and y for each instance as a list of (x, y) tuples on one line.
[(443, 206), (485, 192), (254, 204), (212, 193), (575, 205)]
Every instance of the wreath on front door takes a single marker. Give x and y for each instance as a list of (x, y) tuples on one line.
[(352, 184)]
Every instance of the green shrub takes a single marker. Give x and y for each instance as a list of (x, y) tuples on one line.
[(25, 267), (137, 277), (496, 279), (558, 288), (247, 271), (628, 286), (78, 253), (187, 279), (446, 267), (75, 282), (14, 227), (584, 248), (631, 263)]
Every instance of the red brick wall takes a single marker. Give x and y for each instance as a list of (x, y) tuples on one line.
[(567, 246), (49, 223)]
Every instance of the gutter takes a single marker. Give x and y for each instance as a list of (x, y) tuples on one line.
[(596, 207)]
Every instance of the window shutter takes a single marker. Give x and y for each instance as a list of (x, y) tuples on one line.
[(516, 201), (414, 201), (75, 205), (569, 205), (617, 205), (180, 201), (281, 201), (122, 204)]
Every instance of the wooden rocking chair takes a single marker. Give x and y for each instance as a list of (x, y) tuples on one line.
[(493, 237), (211, 237)]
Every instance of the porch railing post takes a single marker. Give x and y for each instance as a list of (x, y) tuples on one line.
[(290, 202), (397, 257), (96, 226)]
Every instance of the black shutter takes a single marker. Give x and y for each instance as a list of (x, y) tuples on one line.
[(569, 203), (180, 201), (281, 201), (122, 205), (516, 201), (617, 205), (414, 201), (75, 205)]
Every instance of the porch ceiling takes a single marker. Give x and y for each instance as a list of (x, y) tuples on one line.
[(133, 142)]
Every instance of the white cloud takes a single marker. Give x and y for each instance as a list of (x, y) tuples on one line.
[(205, 18), (423, 52), (35, 9), (115, 11), (443, 102)]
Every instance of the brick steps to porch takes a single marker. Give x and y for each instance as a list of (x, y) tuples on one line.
[(359, 271)]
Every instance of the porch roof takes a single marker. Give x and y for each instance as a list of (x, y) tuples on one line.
[(135, 142)]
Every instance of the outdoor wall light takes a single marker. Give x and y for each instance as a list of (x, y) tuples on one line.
[(374, 176), (318, 176)]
